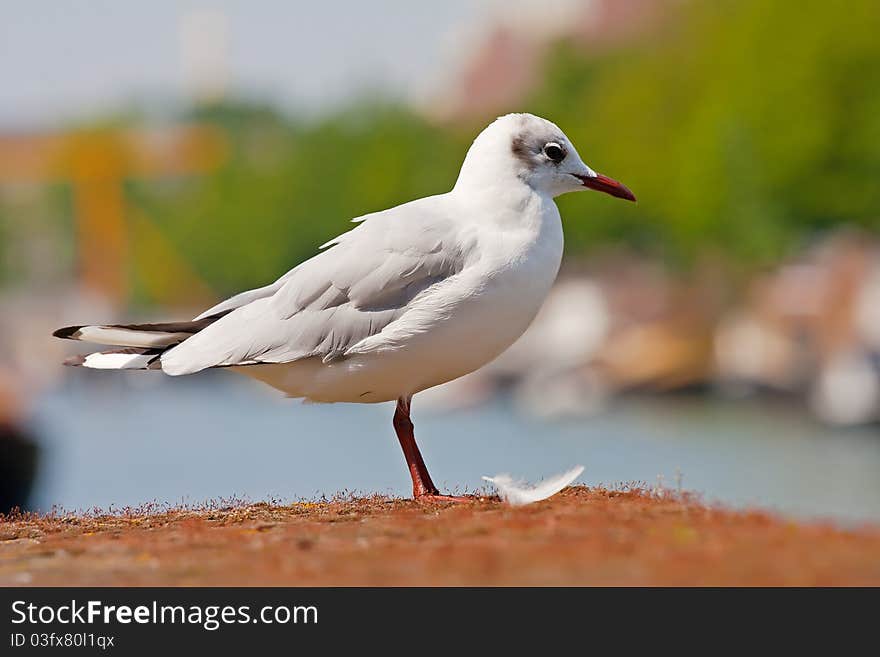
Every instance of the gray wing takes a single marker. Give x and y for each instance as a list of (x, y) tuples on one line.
[(244, 298), (333, 301)]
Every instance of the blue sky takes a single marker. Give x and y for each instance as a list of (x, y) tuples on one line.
[(67, 58)]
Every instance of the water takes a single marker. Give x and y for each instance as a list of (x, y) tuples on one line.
[(122, 440)]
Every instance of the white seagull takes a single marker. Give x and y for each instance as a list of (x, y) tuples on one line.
[(412, 297)]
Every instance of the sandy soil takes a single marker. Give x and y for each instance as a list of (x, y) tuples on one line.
[(584, 536)]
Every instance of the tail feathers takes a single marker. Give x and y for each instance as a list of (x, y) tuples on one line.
[(136, 335), (119, 359)]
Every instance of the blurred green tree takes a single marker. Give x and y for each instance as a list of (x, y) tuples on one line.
[(743, 126), (291, 186)]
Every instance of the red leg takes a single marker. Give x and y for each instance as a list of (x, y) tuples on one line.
[(423, 487)]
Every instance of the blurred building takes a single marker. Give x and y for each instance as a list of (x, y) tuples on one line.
[(505, 64)]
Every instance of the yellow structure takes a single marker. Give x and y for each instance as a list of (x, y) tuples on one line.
[(97, 163)]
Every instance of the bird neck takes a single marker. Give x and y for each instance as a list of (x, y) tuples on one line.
[(497, 192), (506, 206)]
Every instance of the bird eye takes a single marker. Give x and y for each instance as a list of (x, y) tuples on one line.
[(554, 151)]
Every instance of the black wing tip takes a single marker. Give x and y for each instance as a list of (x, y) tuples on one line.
[(68, 332)]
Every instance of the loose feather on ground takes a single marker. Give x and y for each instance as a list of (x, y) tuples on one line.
[(517, 493)]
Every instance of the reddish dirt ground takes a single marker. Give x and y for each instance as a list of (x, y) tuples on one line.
[(583, 536)]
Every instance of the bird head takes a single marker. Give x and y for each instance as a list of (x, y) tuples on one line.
[(536, 152)]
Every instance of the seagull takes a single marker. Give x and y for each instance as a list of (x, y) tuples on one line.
[(412, 297)]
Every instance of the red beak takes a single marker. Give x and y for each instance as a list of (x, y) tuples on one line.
[(608, 185)]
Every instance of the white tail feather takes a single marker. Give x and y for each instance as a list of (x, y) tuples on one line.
[(117, 361), (123, 337)]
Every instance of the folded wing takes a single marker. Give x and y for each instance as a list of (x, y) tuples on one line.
[(337, 299)]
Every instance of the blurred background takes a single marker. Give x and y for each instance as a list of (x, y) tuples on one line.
[(722, 335)]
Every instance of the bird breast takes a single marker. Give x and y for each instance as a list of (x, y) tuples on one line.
[(515, 268)]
